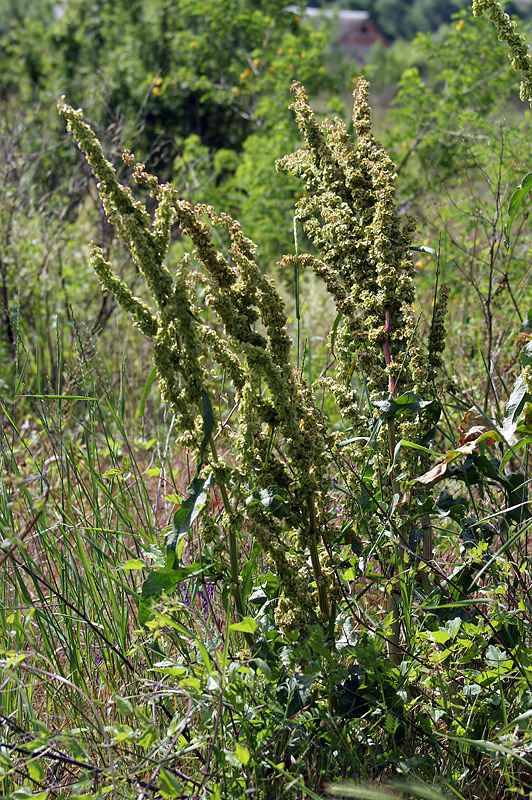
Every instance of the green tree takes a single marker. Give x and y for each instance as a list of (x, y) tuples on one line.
[(458, 158), (163, 77), (405, 18), (163, 71)]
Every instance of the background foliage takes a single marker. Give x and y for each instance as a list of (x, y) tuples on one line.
[(419, 684), (405, 18)]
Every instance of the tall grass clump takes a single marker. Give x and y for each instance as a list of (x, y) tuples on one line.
[(293, 589)]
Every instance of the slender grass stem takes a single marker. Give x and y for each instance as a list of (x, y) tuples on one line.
[(234, 562), (99, 721), (315, 559), (428, 551)]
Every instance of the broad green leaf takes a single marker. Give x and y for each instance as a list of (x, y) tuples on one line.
[(472, 689), (447, 505), (487, 467), (167, 662), (525, 356), (171, 787), (145, 612), (205, 656), (273, 499), (349, 574), (123, 706), (145, 393), (149, 736), (133, 563), (185, 516), (153, 472), (514, 407), (407, 403), (175, 672), (110, 473), (173, 498), (157, 582), (161, 580), (496, 656), (424, 249), (35, 771), (27, 793), (32, 744), (208, 424), (246, 625), (191, 683), (232, 759), (242, 753), (264, 667), (515, 201)]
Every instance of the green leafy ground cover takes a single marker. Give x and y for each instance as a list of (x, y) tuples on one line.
[(303, 572)]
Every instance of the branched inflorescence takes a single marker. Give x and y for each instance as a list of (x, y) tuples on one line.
[(518, 49), (278, 436), (350, 215)]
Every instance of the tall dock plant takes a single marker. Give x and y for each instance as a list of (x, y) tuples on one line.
[(349, 213), (274, 477), (275, 472)]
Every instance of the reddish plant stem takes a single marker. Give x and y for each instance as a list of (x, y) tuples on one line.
[(386, 347)]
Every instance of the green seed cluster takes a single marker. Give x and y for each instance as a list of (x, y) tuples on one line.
[(349, 213), (437, 333), (518, 55)]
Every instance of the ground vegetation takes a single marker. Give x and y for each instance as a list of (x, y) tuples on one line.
[(264, 505)]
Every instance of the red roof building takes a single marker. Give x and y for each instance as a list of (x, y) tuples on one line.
[(357, 32)]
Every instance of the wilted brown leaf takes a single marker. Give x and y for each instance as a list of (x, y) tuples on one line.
[(434, 474), (473, 426)]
